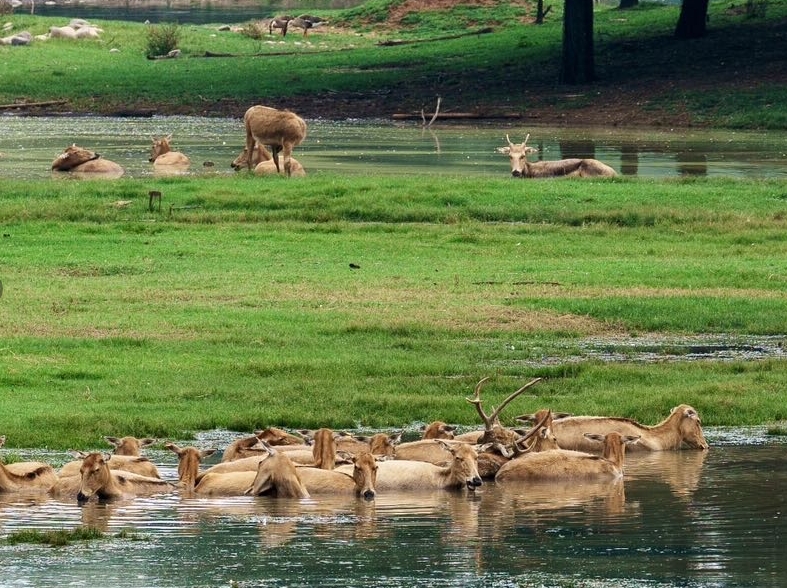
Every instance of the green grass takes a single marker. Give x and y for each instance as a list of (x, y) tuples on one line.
[(245, 312), (731, 78)]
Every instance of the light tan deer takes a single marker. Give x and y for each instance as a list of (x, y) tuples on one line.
[(162, 155), (280, 130), (578, 168)]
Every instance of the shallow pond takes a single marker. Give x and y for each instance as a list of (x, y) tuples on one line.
[(687, 518), (179, 11), (28, 145)]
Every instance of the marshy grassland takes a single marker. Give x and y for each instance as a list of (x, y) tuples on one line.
[(379, 302)]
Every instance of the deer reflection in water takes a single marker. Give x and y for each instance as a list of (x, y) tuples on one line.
[(680, 470)]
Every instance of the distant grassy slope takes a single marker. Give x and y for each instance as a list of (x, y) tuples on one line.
[(735, 77)]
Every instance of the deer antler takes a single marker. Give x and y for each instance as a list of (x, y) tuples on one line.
[(510, 144), (491, 421), (546, 421)]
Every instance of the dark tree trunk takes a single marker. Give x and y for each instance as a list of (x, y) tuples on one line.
[(578, 59), (627, 4), (540, 12), (692, 19)]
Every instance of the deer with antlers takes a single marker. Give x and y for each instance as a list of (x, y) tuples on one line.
[(494, 432), (579, 168)]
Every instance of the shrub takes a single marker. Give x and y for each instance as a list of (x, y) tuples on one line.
[(162, 39), (255, 30)]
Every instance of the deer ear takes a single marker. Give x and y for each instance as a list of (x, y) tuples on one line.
[(504, 150), (530, 150)]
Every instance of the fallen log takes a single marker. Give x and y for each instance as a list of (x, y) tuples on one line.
[(454, 115), (32, 104), (395, 42)]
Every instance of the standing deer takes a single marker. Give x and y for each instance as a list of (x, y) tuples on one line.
[(281, 130), (578, 168)]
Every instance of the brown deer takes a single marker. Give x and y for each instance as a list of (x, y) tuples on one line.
[(494, 432), (359, 478), (162, 155), (85, 162), (561, 464), (460, 472), (578, 168), (97, 479), (129, 445), (262, 162), (280, 130), (682, 428), (189, 459), (438, 430), (27, 475)]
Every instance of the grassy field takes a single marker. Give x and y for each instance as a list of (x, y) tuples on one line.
[(242, 307), (735, 77)]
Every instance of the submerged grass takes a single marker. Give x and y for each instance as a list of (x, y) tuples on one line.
[(378, 302), (62, 537)]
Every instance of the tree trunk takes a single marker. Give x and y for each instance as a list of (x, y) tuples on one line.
[(692, 19), (578, 59), (540, 12)]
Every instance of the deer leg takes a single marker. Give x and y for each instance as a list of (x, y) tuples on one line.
[(275, 150)]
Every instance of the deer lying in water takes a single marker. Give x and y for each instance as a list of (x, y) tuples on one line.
[(438, 430), (250, 446), (129, 445), (274, 475), (682, 428), (127, 456), (27, 475), (277, 476), (494, 431), (561, 464), (126, 463), (379, 444), (359, 478), (162, 155), (461, 471), (189, 459), (263, 164), (84, 162), (579, 168), (97, 479)]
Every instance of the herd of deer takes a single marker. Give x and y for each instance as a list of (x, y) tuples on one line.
[(274, 462), (281, 131), (266, 128)]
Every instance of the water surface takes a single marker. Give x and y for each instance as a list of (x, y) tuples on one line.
[(179, 11), (30, 144)]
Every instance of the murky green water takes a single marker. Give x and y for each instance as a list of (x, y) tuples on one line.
[(29, 144), (679, 519), (180, 11)]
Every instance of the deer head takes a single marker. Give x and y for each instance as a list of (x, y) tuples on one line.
[(517, 154)]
